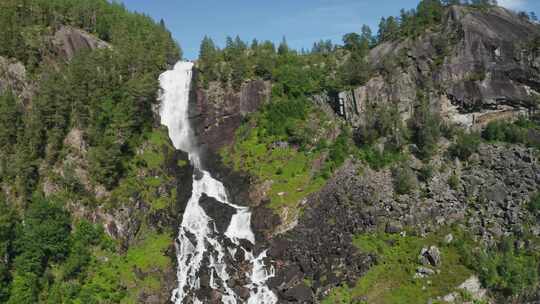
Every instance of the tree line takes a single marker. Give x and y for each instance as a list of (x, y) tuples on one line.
[(108, 94)]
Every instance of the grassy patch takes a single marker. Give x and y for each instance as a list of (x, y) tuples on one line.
[(391, 280), (152, 155), (114, 278), (289, 169), (378, 160)]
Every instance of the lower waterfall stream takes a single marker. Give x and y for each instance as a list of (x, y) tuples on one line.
[(200, 247)]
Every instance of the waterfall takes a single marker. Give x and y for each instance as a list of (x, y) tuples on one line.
[(200, 247)]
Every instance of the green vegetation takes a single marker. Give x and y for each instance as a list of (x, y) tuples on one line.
[(382, 123), (377, 159), (426, 128), (534, 204), (466, 144), (523, 131), (426, 173), (504, 268), (290, 143), (453, 181), (106, 95), (404, 179), (326, 67), (289, 168), (391, 279), (26, 22), (146, 173), (427, 15), (108, 277), (57, 264)]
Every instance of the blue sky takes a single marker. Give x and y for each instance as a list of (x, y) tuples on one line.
[(302, 22)]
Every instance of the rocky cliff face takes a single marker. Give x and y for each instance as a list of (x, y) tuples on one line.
[(479, 66), (359, 200), (145, 207), (13, 77), (217, 111), (215, 114), (63, 45), (67, 41)]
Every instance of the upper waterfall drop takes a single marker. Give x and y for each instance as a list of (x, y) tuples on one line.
[(201, 248), (174, 109)]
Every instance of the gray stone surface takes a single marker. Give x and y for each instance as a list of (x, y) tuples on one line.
[(69, 40), (477, 68), (358, 200)]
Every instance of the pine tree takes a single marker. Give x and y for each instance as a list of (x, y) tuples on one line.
[(366, 36), (352, 41), (283, 48), (10, 120), (208, 60)]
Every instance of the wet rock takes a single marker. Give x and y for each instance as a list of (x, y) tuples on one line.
[(242, 292), (220, 213), (300, 293)]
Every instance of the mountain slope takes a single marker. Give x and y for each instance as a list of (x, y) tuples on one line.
[(348, 188), (478, 65), (91, 186)]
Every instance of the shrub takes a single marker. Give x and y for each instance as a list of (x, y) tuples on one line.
[(382, 121), (511, 271), (505, 132), (534, 203), (340, 149), (466, 144), (281, 116), (105, 164), (426, 173), (404, 180), (377, 159), (426, 128), (453, 181), (503, 268)]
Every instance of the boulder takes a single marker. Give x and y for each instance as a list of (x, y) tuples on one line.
[(448, 238), (431, 256), (13, 77), (220, 213), (422, 272), (300, 294), (474, 287), (68, 41), (393, 227)]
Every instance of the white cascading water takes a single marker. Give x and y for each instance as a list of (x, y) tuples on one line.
[(198, 244)]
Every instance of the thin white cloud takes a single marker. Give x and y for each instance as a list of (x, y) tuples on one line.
[(513, 4)]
